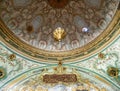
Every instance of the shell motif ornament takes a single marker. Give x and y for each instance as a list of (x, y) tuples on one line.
[(59, 33)]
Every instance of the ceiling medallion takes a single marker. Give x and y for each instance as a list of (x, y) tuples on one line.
[(59, 33), (58, 3)]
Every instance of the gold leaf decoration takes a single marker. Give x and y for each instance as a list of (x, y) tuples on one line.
[(2, 73), (113, 72), (12, 57), (59, 33)]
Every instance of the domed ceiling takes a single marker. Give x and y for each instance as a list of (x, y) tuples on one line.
[(27, 26), (33, 21)]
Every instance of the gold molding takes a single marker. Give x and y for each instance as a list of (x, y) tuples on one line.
[(102, 80), (12, 83)]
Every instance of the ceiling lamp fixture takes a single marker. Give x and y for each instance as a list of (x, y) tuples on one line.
[(85, 30), (59, 33)]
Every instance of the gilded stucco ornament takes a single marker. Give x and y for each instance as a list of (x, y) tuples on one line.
[(12, 57), (113, 71), (58, 75), (59, 33), (101, 55), (2, 73)]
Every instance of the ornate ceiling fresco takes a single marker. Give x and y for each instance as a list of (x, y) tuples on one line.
[(86, 59), (27, 27), (88, 55), (33, 21)]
